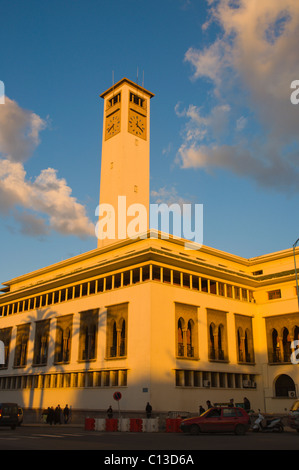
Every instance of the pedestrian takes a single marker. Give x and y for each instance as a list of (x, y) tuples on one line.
[(201, 410), (247, 406), (148, 410), (57, 416), (51, 415), (66, 414), (110, 412), (231, 403), (48, 415), (209, 404)]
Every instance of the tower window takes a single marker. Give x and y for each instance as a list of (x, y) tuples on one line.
[(114, 100), (137, 100)]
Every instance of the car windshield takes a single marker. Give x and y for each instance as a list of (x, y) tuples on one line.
[(212, 412), (295, 406)]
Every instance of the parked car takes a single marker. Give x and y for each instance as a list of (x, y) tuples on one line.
[(293, 416), (218, 419), (9, 415), (20, 415)]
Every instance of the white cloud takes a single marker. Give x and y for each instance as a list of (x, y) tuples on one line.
[(168, 196), (250, 65), (42, 204), (19, 131)]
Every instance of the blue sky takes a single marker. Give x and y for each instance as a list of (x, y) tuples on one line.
[(224, 132)]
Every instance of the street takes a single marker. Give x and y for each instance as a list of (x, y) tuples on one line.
[(39, 437)]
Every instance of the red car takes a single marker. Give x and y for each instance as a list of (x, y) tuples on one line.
[(226, 419)]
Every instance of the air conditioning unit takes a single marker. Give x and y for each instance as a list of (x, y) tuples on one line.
[(292, 394), (206, 383), (246, 383)]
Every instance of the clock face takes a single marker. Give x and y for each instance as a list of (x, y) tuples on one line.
[(112, 125), (137, 124)]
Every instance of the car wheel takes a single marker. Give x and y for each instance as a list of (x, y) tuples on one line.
[(194, 430), (240, 430), (280, 428)]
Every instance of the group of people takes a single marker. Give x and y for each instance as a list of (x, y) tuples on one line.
[(57, 415), (246, 405)]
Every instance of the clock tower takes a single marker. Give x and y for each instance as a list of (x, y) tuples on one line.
[(125, 163)]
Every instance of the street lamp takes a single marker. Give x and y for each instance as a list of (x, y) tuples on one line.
[(297, 287)]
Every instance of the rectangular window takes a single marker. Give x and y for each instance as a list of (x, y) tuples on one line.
[(156, 273), (274, 294), (195, 282), (123, 378), (213, 286), (92, 287), (229, 290), (84, 289), (62, 295), (77, 291), (69, 293), (97, 379), (136, 275), (101, 284), (196, 378), (106, 378), (126, 278), (136, 100), (114, 378), (89, 379), (117, 280), (179, 378), (186, 280), (145, 273), (166, 275), (188, 378), (176, 278), (221, 288), (244, 294), (204, 285), (67, 380), (37, 302), (237, 293), (114, 100), (108, 282)]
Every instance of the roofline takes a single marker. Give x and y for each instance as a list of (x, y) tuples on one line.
[(155, 234), (130, 82)]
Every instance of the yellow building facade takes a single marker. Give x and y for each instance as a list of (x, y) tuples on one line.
[(146, 316)]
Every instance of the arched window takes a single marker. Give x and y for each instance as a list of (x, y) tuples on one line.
[(284, 385), (240, 345), (190, 348), (122, 351), (212, 352), (113, 351), (286, 341), (275, 347), (220, 345), (247, 346), (180, 337)]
